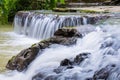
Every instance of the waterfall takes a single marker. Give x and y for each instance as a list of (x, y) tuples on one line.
[(102, 44), (41, 26)]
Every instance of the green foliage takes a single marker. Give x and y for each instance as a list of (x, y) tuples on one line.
[(5, 7), (62, 1), (8, 8)]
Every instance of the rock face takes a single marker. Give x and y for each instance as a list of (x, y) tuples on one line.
[(26, 56)]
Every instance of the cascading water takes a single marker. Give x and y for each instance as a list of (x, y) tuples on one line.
[(102, 44), (42, 26)]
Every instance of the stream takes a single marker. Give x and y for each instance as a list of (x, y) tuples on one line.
[(103, 44)]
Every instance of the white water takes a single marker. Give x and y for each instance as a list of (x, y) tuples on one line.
[(12, 43), (99, 58), (43, 26)]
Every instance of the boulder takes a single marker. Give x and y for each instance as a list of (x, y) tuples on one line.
[(64, 65), (69, 64), (51, 77), (26, 56), (65, 62), (68, 32), (23, 59), (39, 76), (104, 72), (63, 40), (81, 57)]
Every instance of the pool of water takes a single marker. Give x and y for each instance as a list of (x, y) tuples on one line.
[(11, 44)]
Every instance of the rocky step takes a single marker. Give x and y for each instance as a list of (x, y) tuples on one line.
[(64, 66), (26, 56), (82, 4)]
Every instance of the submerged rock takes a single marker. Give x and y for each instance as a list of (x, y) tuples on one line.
[(69, 64), (51, 77), (65, 65), (110, 72), (39, 76), (81, 57)]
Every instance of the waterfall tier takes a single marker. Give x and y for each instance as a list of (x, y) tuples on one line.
[(41, 26), (70, 55)]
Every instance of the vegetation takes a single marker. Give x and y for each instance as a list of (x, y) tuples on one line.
[(8, 8), (5, 7)]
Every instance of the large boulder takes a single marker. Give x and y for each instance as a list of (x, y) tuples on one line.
[(26, 56)]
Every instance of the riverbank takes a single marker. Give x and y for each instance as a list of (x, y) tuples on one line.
[(111, 9)]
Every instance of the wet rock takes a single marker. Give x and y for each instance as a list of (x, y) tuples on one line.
[(60, 69), (91, 20), (23, 59), (44, 44), (39, 76), (69, 64), (65, 62), (68, 33), (107, 43), (79, 58), (104, 72), (51, 77), (57, 40), (26, 56), (63, 40)]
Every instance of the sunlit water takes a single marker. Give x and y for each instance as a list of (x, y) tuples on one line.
[(108, 32)]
